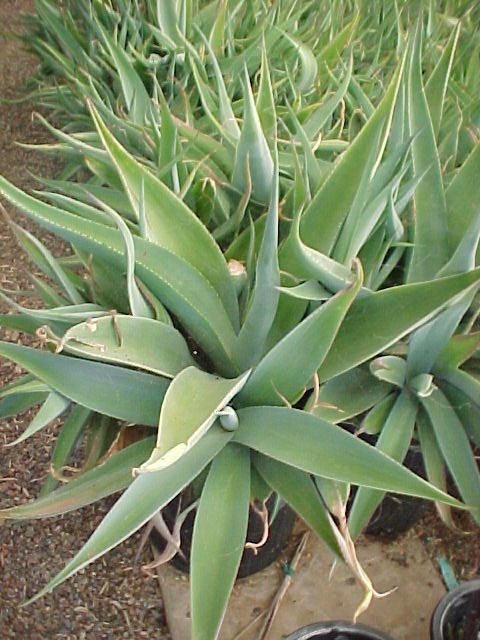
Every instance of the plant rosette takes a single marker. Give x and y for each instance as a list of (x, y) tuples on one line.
[(240, 420)]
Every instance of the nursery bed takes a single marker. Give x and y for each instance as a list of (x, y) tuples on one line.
[(112, 598)]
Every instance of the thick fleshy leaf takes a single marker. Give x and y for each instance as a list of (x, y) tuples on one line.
[(325, 214), (430, 237), (165, 214), (316, 121), (458, 350), (316, 446), (133, 342), (436, 87), (217, 33), (307, 263), (309, 290), (394, 440), (308, 63), (227, 117), (52, 408), (20, 322), (46, 293), (330, 53), (181, 287), (463, 258), (264, 301), (191, 406), (314, 169), (397, 311), (429, 340), (253, 147), (348, 395), (218, 541), (468, 413), (70, 314), (167, 20), (100, 387), (297, 488), (144, 497), (373, 422), (66, 440), (138, 305), (135, 95), (465, 382), (115, 474), (434, 463), (455, 449), (282, 375), (463, 198), (42, 257), (391, 369), (17, 403), (265, 99)]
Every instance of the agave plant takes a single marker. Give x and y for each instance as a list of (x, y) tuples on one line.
[(416, 390), (220, 347)]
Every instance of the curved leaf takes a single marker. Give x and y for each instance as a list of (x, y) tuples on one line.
[(181, 287), (109, 477), (297, 488), (130, 341), (52, 408), (313, 445), (190, 408), (281, 375), (144, 497), (377, 320), (100, 387), (394, 440), (455, 448), (165, 214)]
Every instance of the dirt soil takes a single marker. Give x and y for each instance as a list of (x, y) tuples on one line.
[(111, 598)]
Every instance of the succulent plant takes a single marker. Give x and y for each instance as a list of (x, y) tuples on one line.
[(232, 296)]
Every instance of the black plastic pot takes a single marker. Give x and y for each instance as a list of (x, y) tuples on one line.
[(397, 513), (279, 535), (457, 615), (337, 630)]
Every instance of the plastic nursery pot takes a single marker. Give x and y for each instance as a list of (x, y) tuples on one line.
[(280, 531), (396, 513), (337, 630), (457, 615)]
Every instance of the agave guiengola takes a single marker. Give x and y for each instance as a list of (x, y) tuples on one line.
[(285, 311)]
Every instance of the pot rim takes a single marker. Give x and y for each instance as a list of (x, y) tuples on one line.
[(441, 610), (309, 632)]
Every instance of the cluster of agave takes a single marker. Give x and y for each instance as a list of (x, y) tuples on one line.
[(276, 232)]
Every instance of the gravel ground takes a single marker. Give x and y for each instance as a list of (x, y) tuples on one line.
[(111, 598)]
